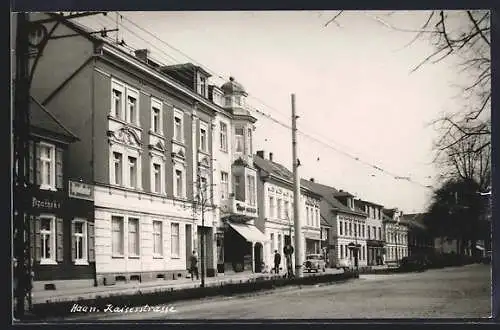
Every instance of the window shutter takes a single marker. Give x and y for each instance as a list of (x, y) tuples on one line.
[(73, 242), (38, 165), (59, 168), (37, 239), (31, 170), (91, 241), (59, 239)]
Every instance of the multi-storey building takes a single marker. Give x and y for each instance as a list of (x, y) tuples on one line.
[(348, 225), (145, 143), (239, 242), (276, 202), (374, 234), (420, 242), (60, 210), (396, 236)]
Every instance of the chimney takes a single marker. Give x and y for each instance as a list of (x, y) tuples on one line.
[(311, 179), (271, 156), (142, 54), (260, 153)]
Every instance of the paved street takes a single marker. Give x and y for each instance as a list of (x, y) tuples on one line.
[(451, 292)]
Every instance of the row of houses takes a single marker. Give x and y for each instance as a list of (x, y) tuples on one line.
[(121, 149)]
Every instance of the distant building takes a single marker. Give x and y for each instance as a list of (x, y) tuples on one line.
[(276, 217), (396, 236), (347, 224), (375, 242), (420, 242)]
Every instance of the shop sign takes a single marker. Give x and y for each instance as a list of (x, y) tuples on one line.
[(81, 190)]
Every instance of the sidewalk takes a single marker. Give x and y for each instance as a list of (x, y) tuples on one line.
[(41, 297)]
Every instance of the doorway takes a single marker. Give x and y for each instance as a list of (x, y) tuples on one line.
[(258, 257)]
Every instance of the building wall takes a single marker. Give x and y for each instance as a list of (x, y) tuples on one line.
[(345, 238), (396, 249)]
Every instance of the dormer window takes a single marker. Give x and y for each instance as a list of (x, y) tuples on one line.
[(227, 101), (203, 86), (239, 139), (237, 100)]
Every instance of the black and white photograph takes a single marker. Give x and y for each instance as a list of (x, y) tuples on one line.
[(251, 165)]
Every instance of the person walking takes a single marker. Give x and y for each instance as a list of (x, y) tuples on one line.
[(194, 266), (277, 261)]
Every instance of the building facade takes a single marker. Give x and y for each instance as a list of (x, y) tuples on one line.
[(239, 244), (347, 225), (396, 236), (146, 146), (61, 210), (375, 242), (276, 205), (420, 242)]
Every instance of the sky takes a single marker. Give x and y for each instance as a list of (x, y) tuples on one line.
[(351, 80)]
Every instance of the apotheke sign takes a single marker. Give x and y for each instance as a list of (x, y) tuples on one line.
[(81, 190)]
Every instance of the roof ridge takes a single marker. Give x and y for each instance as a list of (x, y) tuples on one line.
[(53, 117)]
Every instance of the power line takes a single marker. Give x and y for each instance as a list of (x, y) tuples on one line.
[(266, 115)]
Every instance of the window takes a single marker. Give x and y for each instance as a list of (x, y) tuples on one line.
[(47, 166), (203, 139), (278, 216), (363, 231), (227, 101), (271, 207), (117, 168), (179, 182), (223, 136), (117, 235), (345, 227), (133, 237), (224, 185), (341, 228), (117, 95), (355, 229), (307, 215), (174, 230), (251, 189), (203, 86), (157, 178), (132, 165), (237, 188), (249, 151), (317, 218), (237, 99), (178, 127), (157, 238), (156, 116), (279, 243), (341, 250), (287, 210), (273, 245), (350, 229), (239, 139), (132, 109), (48, 239), (79, 248)]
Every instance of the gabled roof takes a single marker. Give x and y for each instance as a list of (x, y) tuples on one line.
[(42, 120), (324, 222), (329, 199), (279, 172)]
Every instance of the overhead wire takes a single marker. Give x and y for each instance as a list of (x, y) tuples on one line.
[(263, 114)]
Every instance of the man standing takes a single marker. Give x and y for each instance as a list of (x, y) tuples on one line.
[(277, 261), (194, 266)]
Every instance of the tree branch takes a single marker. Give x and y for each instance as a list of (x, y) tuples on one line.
[(477, 27), (334, 18)]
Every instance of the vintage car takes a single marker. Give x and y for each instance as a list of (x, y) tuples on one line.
[(314, 262)]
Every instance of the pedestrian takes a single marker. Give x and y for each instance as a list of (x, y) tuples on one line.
[(277, 261), (194, 266)]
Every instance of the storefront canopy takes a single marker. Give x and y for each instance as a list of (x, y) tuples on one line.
[(249, 232)]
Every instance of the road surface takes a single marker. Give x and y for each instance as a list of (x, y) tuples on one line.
[(463, 292)]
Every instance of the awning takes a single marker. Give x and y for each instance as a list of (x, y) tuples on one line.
[(249, 232)]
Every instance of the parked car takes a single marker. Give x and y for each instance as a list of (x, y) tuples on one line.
[(314, 262), (344, 264)]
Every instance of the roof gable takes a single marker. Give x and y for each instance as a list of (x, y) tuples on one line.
[(41, 118)]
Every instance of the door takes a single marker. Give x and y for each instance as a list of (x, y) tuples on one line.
[(189, 245)]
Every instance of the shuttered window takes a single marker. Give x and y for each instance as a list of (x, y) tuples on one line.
[(48, 239), (48, 166), (79, 241)]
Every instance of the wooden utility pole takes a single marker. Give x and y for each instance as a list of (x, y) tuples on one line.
[(296, 196)]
